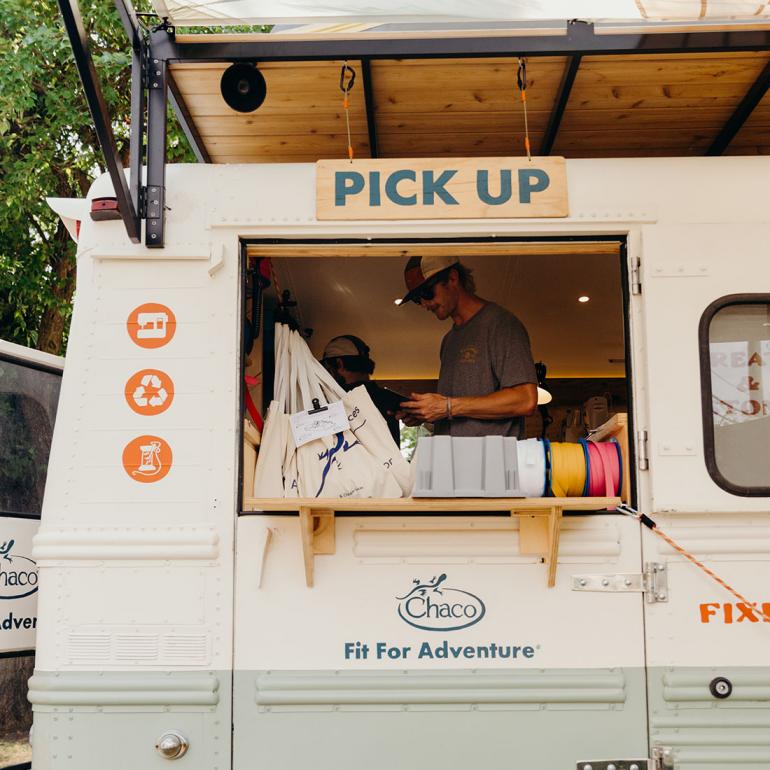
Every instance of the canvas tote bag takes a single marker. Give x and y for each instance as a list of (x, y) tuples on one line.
[(337, 465), (276, 472), (369, 427)]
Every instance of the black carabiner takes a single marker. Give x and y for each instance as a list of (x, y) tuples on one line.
[(521, 75), (345, 68)]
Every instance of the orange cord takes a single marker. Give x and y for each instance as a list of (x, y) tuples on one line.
[(712, 575), (650, 524)]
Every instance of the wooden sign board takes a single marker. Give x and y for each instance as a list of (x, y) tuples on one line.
[(438, 188)]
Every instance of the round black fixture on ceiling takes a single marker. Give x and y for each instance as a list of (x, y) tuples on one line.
[(243, 87)]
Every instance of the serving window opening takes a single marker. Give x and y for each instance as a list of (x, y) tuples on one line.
[(568, 294)]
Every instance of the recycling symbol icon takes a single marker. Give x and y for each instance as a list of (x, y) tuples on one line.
[(150, 391)]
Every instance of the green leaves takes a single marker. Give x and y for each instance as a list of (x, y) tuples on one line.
[(48, 148)]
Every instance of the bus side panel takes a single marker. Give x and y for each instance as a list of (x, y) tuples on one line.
[(703, 634), (429, 642), (136, 544)]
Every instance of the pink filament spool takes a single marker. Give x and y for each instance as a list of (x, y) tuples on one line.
[(604, 469)]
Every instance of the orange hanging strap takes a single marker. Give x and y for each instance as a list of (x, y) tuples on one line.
[(750, 608), (345, 87), (521, 80)]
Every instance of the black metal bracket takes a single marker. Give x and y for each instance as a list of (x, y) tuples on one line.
[(371, 116), (73, 23), (742, 112), (157, 104), (577, 38), (565, 89)]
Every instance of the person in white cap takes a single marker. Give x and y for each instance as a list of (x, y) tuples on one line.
[(347, 359), (487, 382)]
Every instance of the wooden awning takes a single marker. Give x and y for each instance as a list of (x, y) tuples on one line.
[(626, 105)]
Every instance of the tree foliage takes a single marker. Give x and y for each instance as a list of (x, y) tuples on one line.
[(48, 147)]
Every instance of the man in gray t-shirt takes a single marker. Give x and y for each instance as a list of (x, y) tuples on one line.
[(487, 382)]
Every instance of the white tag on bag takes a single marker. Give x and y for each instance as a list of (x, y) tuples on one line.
[(318, 423)]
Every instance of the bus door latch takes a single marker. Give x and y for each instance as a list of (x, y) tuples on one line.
[(653, 583)]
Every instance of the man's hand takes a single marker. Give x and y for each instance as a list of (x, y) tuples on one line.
[(425, 407)]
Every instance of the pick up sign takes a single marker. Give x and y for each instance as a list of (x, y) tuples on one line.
[(437, 188)]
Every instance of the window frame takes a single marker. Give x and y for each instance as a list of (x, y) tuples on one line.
[(30, 363), (709, 449), (621, 238)]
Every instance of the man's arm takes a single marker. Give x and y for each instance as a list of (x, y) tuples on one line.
[(519, 400)]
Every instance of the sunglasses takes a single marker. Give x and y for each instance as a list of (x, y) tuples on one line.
[(428, 291)]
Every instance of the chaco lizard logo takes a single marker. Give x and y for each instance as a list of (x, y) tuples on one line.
[(433, 606), (18, 574)]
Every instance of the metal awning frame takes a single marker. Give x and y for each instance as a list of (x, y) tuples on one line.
[(152, 85)]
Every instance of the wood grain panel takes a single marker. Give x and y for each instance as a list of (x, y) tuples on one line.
[(624, 105), (640, 139), (402, 145), (279, 125), (406, 250), (653, 105), (338, 143), (301, 120)]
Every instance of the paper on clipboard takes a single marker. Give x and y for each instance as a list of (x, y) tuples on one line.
[(310, 425)]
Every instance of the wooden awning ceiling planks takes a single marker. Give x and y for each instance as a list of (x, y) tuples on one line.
[(624, 105)]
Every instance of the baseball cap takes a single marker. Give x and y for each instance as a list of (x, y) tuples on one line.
[(418, 270), (345, 346)]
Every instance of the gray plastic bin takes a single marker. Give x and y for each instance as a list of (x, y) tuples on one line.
[(448, 466)]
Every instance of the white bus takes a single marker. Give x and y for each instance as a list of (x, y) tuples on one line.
[(183, 619)]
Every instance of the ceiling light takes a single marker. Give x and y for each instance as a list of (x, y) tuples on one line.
[(397, 301), (584, 298)]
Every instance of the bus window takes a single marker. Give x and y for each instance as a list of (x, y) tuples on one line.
[(28, 399), (735, 370)]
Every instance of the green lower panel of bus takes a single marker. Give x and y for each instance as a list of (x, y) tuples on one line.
[(402, 720)]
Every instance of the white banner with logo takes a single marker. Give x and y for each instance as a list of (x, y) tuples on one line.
[(18, 584)]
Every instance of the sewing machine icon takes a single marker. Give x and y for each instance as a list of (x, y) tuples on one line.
[(152, 326)]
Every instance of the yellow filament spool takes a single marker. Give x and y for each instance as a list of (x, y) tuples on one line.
[(568, 470)]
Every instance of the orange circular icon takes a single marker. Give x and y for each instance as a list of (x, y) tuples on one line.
[(149, 391), (147, 459), (151, 325)]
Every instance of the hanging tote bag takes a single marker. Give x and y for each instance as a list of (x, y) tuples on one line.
[(276, 471), (369, 427), (337, 465)]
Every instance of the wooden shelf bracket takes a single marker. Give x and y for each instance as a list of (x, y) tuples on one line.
[(539, 533), (318, 537)]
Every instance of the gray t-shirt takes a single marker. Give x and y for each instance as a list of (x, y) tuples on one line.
[(489, 352)]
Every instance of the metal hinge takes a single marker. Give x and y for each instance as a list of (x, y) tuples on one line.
[(642, 456), (653, 582), (635, 274), (143, 202), (662, 758)]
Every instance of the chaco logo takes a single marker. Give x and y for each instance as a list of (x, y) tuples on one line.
[(18, 574), (432, 606)]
